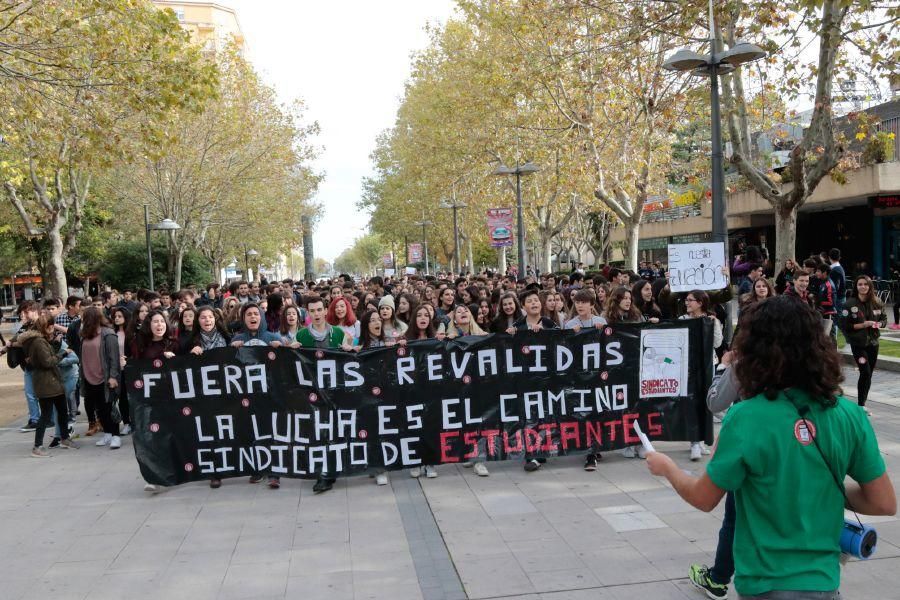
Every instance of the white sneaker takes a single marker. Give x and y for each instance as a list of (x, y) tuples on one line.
[(696, 452), (115, 442), (641, 452), (628, 452), (704, 450), (381, 479), (468, 464), (126, 429), (149, 487), (481, 469), (105, 440), (430, 472), (415, 472)]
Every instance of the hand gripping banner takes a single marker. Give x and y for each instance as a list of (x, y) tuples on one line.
[(297, 413)]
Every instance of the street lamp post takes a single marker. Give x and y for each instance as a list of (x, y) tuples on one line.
[(164, 225), (712, 65), (518, 171), (453, 204), (247, 255), (424, 223)]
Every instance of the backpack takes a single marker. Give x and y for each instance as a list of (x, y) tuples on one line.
[(15, 357)]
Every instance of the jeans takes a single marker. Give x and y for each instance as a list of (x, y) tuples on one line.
[(835, 595), (47, 405), (99, 398), (34, 409), (723, 569), (865, 357)]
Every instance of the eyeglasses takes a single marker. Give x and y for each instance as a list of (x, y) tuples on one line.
[(691, 300)]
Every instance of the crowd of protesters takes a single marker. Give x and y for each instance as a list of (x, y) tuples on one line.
[(72, 354)]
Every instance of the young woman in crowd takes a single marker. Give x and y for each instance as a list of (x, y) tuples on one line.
[(863, 318), (231, 311), (340, 314), (602, 292), (291, 323), (621, 309), (484, 316), (553, 307), (421, 327), (252, 333), (463, 324), (508, 313), (446, 302), (371, 333), (100, 370), (642, 295), (406, 307), (785, 277), (48, 384), (697, 307), (184, 328), (210, 333), (761, 290), (274, 306), (155, 339), (121, 325), (392, 326), (356, 298)]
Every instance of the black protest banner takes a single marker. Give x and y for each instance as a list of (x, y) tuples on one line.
[(297, 413)]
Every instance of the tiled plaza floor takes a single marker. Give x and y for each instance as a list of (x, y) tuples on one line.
[(79, 526)]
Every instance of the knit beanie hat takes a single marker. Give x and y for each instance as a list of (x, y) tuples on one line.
[(387, 300)]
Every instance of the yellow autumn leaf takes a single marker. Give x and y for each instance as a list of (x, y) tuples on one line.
[(860, 136)]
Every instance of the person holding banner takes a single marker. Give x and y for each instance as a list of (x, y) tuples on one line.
[(319, 334), (393, 327), (585, 318), (620, 309), (533, 321), (291, 323), (794, 422), (697, 303), (508, 313), (340, 314), (252, 332), (211, 332), (463, 323)]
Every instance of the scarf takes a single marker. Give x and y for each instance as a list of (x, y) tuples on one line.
[(211, 340)]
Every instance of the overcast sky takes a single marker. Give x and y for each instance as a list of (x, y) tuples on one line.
[(348, 61)]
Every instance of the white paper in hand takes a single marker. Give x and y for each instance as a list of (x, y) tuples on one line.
[(644, 439)]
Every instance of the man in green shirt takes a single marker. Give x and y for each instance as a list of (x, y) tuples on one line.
[(790, 511)]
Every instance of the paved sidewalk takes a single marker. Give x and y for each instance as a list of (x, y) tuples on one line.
[(79, 526)]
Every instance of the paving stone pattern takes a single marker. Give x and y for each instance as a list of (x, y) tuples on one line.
[(79, 526)]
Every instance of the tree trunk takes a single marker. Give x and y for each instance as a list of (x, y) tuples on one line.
[(471, 257), (179, 261), (785, 233), (55, 285), (632, 233), (547, 250)]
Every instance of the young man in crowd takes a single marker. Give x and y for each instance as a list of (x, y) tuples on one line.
[(800, 289), (319, 334), (585, 318), (755, 273), (243, 292), (72, 311), (110, 300), (28, 312), (826, 299), (839, 278)]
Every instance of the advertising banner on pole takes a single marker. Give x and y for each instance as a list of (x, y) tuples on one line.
[(415, 252), (500, 227)]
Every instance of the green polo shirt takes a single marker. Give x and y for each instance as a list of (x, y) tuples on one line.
[(790, 512)]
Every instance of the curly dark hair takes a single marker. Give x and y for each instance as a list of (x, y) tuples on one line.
[(781, 344)]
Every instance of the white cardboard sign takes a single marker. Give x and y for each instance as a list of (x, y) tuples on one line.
[(699, 266)]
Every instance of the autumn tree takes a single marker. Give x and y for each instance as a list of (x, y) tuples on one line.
[(235, 176), (84, 83), (850, 37)]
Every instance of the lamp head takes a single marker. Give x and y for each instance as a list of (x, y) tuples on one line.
[(740, 53), (685, 60)]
